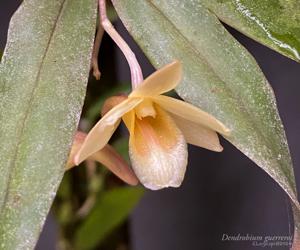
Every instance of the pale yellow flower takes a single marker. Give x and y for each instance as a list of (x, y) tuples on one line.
[(160, 128), (107, 156)]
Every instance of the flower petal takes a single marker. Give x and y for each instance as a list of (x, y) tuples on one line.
[(198, 135), (77, 143), (109, 157), (161, 81), (100, 134), (158, 151), (191, 113), (111, 102)]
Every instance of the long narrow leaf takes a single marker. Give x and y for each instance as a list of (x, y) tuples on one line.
[(220, 76), (43, 77), (274, 23)]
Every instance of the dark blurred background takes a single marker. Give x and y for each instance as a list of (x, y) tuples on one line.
[(222, 193)]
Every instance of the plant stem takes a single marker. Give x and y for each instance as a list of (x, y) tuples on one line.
[(135, 69), (98, 39)]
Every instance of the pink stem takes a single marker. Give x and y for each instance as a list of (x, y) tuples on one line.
[(135, 69)]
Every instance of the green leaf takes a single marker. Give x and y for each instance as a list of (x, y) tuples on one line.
[(220, 76), (43, 76), (274, 23), (110, 210), (122, 147)]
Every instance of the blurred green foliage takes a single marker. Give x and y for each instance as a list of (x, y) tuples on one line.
[(111, 208)]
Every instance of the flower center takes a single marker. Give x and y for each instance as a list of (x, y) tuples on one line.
[(145, 109)]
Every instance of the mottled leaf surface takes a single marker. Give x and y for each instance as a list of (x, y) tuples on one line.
[(220, 76), (274, 23), (43, 76)]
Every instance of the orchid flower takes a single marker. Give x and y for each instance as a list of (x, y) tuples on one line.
[(160, 128), (107, 156)]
